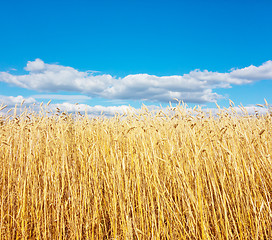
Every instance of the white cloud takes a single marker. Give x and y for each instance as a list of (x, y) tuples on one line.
[(91, 110), (253, 73), (74, 98), (35, 66), (196, 86), (53, 78), (34, 105), (251, 110), (11, 101), (108, 111)]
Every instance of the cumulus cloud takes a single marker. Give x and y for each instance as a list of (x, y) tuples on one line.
[(74, 98), (247, 110), (34, 105), (253, 73), (109, 111), (91, 110), (11, 101), (36, 66), (196, 86), (53, 78)]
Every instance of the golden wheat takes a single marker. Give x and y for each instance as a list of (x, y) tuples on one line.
[(144, 175)]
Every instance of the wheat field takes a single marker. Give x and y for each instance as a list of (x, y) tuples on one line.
[(169, 174)]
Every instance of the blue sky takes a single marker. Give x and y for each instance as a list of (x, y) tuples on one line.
[(144, 51)]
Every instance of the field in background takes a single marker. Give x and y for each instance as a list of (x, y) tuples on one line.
[(163, 175)]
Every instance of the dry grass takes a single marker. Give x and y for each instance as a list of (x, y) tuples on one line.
[(140, 176)]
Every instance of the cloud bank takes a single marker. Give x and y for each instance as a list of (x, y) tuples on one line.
[(109, 111), (195, 87), (11, 101), (34, 105)]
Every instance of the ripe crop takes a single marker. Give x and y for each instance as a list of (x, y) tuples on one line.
[(145, 175)]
